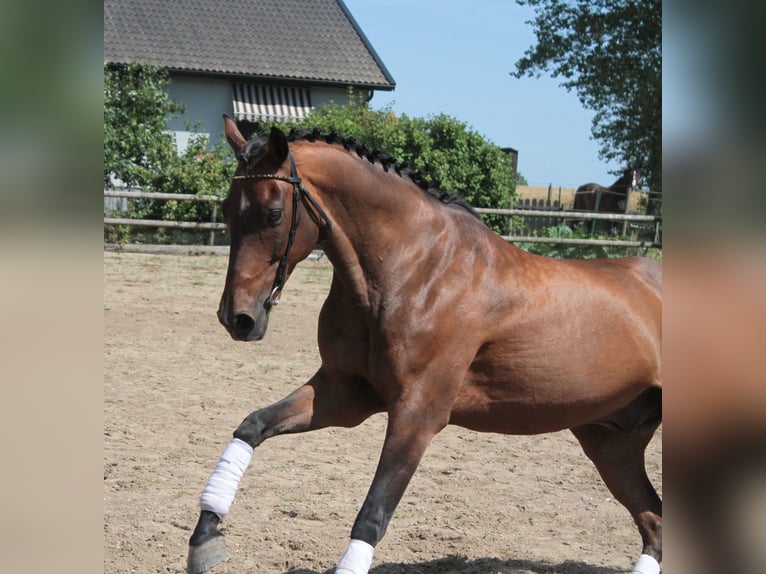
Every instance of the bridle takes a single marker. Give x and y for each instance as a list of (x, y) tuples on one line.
[(300, 193)]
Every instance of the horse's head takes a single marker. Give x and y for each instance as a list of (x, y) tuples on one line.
[(268, 236)]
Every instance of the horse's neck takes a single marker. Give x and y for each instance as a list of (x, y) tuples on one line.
[(376, 217)]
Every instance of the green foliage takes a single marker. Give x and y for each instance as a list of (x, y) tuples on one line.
[(445, 150), (141, 151), (610, 53), (198, 170), (137, 145)]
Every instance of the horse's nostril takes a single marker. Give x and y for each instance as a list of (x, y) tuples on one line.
[(243, 324)]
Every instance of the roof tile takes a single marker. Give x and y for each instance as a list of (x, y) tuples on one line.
[(301, 40)]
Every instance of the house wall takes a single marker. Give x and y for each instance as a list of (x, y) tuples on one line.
[(206, 99), (323, 95)]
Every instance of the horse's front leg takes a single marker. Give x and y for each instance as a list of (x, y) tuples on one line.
[(410, 430), (319, 403)]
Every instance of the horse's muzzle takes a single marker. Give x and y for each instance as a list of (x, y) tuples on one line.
[(243, 326)]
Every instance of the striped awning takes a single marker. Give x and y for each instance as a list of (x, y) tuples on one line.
[(257, 102)]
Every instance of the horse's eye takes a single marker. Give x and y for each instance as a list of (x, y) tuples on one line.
[(274, 216)]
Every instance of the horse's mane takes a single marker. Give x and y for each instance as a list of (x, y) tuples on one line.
[(403, 169)]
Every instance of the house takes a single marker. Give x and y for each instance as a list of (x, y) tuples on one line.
[(254, 60)]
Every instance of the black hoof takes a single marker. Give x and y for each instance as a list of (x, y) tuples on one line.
[(206, 545), (203, 557)]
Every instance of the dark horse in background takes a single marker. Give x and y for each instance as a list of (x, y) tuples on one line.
[(597, 198), (434, 320)]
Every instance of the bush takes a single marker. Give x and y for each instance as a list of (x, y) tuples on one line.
[(448, 153), (140, 151), (137, 145)]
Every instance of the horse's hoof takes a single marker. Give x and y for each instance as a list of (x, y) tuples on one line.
[(206, 555)]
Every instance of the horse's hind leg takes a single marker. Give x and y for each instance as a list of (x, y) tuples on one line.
[(617, 450), (319, 403)]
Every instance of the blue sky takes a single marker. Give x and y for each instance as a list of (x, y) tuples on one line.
[(455, 57)]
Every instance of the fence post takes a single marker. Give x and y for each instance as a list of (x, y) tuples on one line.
[(625, 211), (656, 231), (212, 220), (595, 210)]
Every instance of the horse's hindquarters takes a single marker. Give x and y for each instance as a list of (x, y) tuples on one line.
[(575, 352)]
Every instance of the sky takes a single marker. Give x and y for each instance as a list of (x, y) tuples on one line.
[(455, 57)]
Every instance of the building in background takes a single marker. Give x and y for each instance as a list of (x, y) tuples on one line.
[(254, 60)]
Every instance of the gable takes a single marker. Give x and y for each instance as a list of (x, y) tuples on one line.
[(299, 41)]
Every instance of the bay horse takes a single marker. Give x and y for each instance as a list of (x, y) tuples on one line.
[(433, 319), (597, 198)]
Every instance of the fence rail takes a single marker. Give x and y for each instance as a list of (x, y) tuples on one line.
[(213, 226), (581, 241), (163, 223), (568, 214), (553, 213), (557, 213), (155, 195)]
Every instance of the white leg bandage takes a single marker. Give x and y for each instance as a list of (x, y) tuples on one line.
[(357, 559), (220, 489), (646, 565)]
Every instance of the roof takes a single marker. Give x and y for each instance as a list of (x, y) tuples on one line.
[(316, 41)]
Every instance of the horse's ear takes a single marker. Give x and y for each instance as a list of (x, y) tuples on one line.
[(233, 135), (278, 145)]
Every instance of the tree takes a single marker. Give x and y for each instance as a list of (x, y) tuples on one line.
[(137, 144), (610, 53)]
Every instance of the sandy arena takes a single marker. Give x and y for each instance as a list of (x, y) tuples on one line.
[(176, 386)]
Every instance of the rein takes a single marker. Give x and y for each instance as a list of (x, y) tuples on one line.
[(299, 193)]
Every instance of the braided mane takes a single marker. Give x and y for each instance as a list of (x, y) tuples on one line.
[(403, 169)]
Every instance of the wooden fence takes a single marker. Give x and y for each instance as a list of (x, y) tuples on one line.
[(532, 224), (556, 217), (213, 225), (535, 214), (548, 212)]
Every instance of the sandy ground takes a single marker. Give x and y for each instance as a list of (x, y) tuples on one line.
[(176, 386)]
